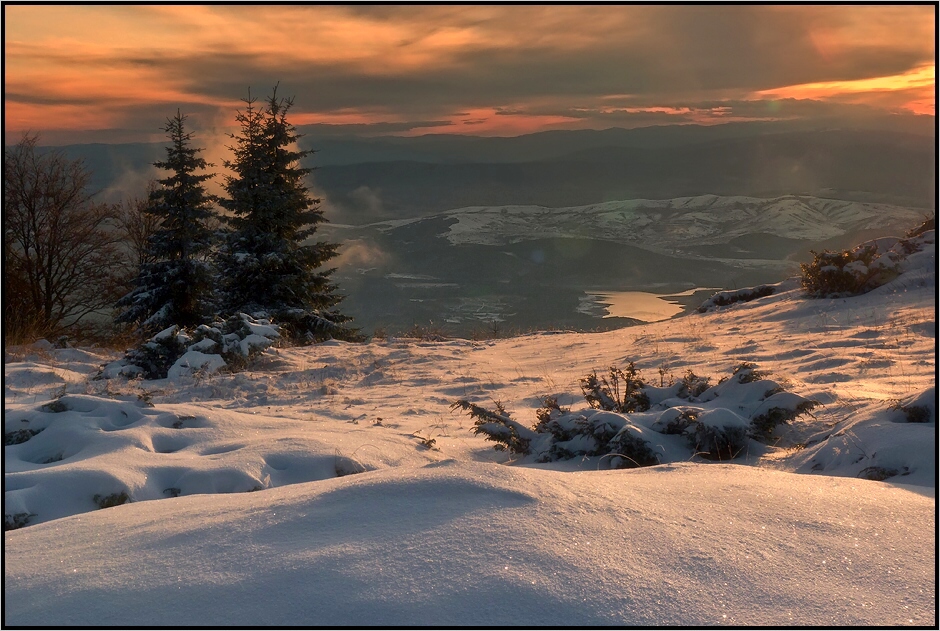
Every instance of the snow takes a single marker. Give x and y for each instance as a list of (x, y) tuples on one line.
[(195, 361), (304, 491)]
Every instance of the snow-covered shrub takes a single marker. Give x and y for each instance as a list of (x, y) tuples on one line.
[(19, 436), (929, 224), (692, 386), (717, 425), (18, 520), (725, 298), (717, 434), (629, 450), (498, 427), (916, 413), (309, 327), (865, 267), (228, 345), (919, 408), (675, 420), (782, 407), (605, 393), (114, 499), (550, 410), (153, 358), (838, 274), (746, 372), (879, 474)]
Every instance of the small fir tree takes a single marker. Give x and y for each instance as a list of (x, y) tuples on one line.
[(266, 266), (174, 285)]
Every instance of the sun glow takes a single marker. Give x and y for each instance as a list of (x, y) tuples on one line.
[(918, 83)]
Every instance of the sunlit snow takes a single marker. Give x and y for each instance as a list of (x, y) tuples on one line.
[(333, 485)]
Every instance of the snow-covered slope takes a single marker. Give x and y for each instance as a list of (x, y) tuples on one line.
[(375, 504), (459, 543)]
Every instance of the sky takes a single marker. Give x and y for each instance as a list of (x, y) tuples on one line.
[(84, 73)]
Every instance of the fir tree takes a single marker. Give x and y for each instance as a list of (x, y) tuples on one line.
[(175, 286), (266, 267)]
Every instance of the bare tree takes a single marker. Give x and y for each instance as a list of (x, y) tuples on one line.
[(137, 226), (61, 259)]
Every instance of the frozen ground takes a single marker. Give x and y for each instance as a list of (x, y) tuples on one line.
[(358, 518)]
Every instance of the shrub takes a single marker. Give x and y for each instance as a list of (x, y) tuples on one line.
[(56, 406), (914, 413), (19, 436), (426, 333), (498, 427), (692, 386), (763, 426), (929, 224), (231, 344), (725, 298), (717, 443), (878, 473), (746, 372), (604, 393), (629, 451), (715, 433), (857, 271), (549, 411), (18, 520), (115, 499), (153, 358), (675, 421)]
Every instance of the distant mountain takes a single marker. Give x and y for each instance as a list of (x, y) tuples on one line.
[(876, 166), (546, 145), (370, 179), (533, 266), (674, 225)]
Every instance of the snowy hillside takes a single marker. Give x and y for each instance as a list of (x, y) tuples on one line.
[(334, 485), (532, 267), (674, 224)]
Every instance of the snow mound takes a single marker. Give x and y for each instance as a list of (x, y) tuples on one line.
[(440, 544), (59, 455)]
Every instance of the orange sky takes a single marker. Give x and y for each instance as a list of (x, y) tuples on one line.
[(116, 72)]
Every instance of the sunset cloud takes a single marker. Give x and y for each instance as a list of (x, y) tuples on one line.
[(490, 69)]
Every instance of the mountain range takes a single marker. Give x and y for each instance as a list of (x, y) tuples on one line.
[(532, 266), (465, 231)]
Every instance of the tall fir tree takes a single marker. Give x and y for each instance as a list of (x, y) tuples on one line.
[(176, 285), (266, 266)]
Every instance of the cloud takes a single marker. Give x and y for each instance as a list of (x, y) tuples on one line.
[(326, 130), (126, 67), (360, 253), (130, 183), (367, 200)]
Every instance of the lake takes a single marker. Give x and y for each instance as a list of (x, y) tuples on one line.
[(639, 305)]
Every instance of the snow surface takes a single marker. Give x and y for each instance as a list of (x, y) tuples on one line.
[(308, 490)]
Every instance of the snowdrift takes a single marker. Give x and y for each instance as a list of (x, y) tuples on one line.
[(455, 543)]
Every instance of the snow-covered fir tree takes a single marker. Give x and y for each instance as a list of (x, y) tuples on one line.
[(175, 286), (266, 267)]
